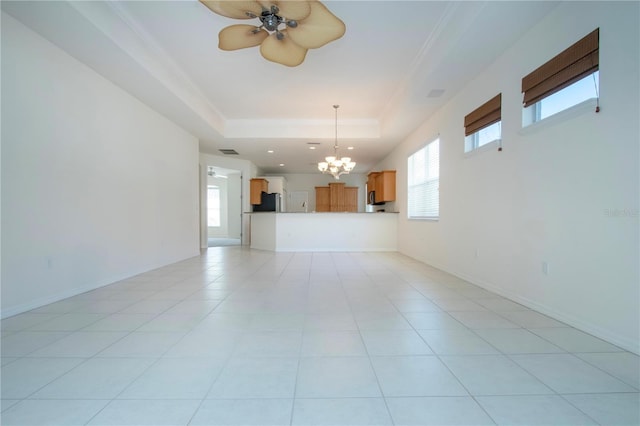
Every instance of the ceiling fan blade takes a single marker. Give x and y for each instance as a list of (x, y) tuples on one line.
[(289, 9), (234, 9), (284, 51), (318, 29), (240, 36)]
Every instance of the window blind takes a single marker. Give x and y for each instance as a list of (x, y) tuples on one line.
[(569, 66), (424, 182), (485, 115)]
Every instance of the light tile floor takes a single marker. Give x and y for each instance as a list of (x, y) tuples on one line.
[(243, 337)]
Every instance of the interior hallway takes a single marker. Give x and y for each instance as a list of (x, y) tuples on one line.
[(239, 336)]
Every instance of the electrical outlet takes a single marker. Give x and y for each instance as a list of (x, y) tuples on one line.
[(477, 254), (545, 267)]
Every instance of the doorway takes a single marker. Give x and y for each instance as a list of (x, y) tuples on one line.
[(223, 207)]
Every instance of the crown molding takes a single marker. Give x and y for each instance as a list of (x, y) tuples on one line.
[(302, 129), (112, 20)]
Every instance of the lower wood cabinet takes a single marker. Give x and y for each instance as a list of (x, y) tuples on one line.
[(351, 198), (336, 198), (323, 199)]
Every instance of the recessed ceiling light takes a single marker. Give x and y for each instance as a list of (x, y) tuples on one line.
[(270, 151), (350, 148), (312, 147), (281, 165)]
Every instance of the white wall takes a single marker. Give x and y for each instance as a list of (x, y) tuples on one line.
[(234, 205), (96, 186), (553, 193), (309, 181)]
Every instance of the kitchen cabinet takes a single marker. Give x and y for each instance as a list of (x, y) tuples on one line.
[(371, 181), (336, 198), (383, 184), (351, 198), (323, 199), (336, 194), (256, 188)]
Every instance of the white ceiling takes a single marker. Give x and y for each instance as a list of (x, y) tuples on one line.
[(381, 73)]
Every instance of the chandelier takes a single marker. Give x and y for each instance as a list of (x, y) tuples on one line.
[(333, 164)]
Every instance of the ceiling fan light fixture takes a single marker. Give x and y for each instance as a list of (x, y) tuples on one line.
[(240, 36), (295, 9), (287, 28)]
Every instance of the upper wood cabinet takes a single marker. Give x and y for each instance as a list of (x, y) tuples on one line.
[(257, 187), (336, 198), (371, 181), (384, 185)]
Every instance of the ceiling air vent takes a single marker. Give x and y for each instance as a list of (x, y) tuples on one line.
[(229, 151), (435, 93)]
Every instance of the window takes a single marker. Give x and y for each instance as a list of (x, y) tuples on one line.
[(568, 79), (424, 182), (580, 91), (483, 125), (213, 206), (482, 137)]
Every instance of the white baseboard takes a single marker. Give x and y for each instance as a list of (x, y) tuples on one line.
[(590, 328), (42, 301)]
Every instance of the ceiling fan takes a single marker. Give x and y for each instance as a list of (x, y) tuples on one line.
[(286, 30)]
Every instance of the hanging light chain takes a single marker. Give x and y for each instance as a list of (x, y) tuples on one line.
[(335, 165)]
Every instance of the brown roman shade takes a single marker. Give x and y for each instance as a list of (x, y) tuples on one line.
[(576, 62), (485, 115)]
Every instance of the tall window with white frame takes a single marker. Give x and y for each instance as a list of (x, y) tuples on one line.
[(423, 182), (213, 206)]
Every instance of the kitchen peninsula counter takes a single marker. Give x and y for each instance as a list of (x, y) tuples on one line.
[(334, 231)]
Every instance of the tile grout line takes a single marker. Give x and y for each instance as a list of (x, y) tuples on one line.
[(375, 374)]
